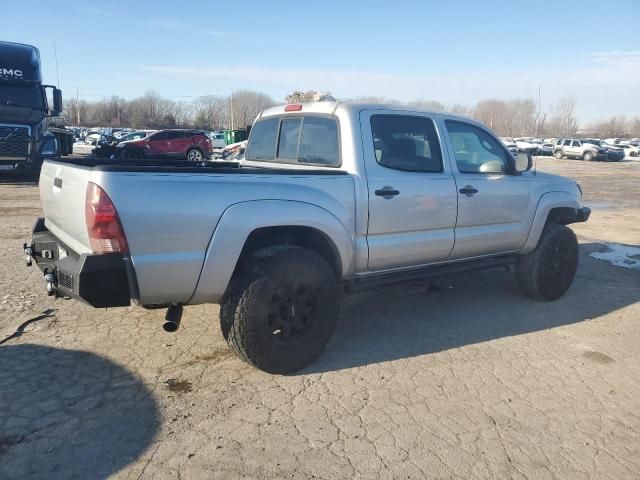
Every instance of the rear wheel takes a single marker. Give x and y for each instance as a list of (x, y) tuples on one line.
[(547, 272), (559, 154), (281, 310), (195, 155)]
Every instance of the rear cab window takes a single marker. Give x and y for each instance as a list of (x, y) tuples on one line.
[(302, 140)]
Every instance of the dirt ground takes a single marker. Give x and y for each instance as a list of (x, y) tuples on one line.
[(470, 381)]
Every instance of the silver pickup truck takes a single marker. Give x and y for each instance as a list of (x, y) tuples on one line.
[(331, 197)]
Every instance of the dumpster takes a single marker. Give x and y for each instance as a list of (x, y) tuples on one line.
[(234, 136)]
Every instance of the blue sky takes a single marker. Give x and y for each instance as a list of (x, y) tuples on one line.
[(451, 51)]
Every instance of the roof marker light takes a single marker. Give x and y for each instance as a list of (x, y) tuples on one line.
[(293, 108)]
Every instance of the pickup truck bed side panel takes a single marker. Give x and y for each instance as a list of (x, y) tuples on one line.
[(241, 219), (169, 218), (547, 202)]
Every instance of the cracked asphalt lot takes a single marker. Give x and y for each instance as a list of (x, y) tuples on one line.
[(470, 380)]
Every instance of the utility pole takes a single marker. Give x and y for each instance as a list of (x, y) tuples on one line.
[(55, 54), (77, 108), (539, 108), (231, 105)]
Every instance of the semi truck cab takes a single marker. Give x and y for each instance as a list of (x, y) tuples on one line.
[(25, 140)]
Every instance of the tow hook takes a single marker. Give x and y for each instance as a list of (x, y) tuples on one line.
[(172, 318), (51, 286), (28, 254)]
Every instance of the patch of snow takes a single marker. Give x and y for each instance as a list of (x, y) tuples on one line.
[(620, 255)]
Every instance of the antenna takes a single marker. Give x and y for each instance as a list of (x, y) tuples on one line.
[(55, 54)]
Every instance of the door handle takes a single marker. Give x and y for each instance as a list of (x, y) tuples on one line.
[(469, 191), (387, 192)]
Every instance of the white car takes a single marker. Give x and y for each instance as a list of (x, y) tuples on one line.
[(631, 150), (510, 144), (92, 138), (526, 146)]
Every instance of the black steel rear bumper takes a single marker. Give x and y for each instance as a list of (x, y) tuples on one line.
[(99, 280)]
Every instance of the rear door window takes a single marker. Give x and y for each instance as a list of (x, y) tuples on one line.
[(159, 136)]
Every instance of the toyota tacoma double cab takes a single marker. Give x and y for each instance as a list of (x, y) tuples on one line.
[(330, 198)]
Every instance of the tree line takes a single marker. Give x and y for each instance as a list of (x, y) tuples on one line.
[(508, 118)]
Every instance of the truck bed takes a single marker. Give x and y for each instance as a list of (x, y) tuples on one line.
[(170, 212)]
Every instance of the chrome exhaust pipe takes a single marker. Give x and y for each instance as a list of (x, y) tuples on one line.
[(172, 318)]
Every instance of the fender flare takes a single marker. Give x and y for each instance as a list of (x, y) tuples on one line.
[(546, 204), (239, 220)]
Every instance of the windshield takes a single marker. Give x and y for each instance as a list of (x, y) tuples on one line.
[(21, 96)]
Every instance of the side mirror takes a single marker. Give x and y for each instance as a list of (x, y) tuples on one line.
[(524, 162), (57, 102)]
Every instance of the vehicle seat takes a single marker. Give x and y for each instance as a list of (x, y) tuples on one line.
[(401, 155)]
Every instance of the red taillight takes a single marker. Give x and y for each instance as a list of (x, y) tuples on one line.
[(293, 108), (103, 224)]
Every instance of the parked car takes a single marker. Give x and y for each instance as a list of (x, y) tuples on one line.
[(511, 145), (631, 150), (333, 197), (526, 146), (192, 145), (576, 148), (235, 151), (92, 137), (546, 149), (137, 135), (614, 154), (105, 147)]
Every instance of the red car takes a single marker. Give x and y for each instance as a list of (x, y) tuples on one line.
[(192, 145)]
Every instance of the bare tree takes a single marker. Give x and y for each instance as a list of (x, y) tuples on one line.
[(563, 120), (616, 126), (246, 106), (423, 104)]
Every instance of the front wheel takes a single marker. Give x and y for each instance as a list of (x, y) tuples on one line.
[(547, 272), (559, 154), (281, 310), (588, 156)]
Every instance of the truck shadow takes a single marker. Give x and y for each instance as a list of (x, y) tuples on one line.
[(379, 326), (70, 414), (19, 179)]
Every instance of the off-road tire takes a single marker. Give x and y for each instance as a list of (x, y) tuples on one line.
[(547, 272), (558, 154), (247, 309), (587, 156)]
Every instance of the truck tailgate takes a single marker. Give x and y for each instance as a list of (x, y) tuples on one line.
[(63, 188)]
